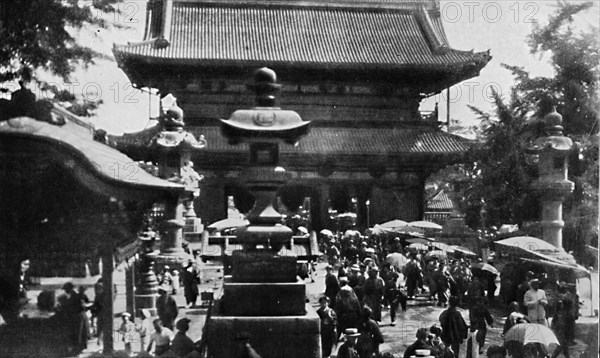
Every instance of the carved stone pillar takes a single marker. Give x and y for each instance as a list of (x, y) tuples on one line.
[(172, 252)]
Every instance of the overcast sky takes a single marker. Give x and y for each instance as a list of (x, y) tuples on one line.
[(500, 26)]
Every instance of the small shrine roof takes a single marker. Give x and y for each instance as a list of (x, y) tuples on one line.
[(343, 34), (441, 201)]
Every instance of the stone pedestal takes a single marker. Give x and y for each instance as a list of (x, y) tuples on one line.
[(146, 291), (272, 337)]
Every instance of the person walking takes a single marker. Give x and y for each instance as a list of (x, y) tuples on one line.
[(413, 274), (370, 335), (190, 280), (563, 325), (535, 300), (347, 307), (373, 289), (166, 307), (454, 328), (182, 345), (348, 348), (332, 285), (128, 331), (161, 338), (329, 335), (392, 296), (480, 318), (145, 327)]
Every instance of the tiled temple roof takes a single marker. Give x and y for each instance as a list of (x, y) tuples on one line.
[(441, 201), (345, 141), (389, 34)]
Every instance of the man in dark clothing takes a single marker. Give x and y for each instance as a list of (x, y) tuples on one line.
[(182, 345), (480, 317), (413, 274), (166, 307), (332, 285), (420, 343), (190, 282), (454, 328)]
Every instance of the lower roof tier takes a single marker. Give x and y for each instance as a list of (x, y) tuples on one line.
[(362, 146)]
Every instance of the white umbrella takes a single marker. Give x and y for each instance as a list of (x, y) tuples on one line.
[(397, 260), (228, 224), (462, 250), (485, 267), (419, 247), (441, 246), (394, 224), (425, 225), (326, 232), (528, 243), (531, 333)]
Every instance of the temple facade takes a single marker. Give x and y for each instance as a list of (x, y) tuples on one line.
[(357, 70)]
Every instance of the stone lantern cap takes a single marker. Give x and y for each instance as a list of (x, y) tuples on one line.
[(182, 140), (265, 122), (554, 140)]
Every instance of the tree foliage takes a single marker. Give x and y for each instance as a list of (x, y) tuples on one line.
[(36, 35), (502, 173)]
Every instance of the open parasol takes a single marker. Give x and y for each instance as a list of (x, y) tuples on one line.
[(462, 250), (485, 267), (397, 260), (436, 254), (393, 224), (527, 243), (425, 225), (531, 333), (418, 247), (326, 232), (228, 224), (441, 246)]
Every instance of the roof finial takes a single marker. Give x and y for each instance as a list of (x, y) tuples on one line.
[(553, 123), (265, 86)]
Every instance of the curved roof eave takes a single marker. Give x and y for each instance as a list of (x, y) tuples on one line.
[(99, 167)]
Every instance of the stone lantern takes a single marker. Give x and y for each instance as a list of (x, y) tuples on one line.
[(263, 297), (552, 186), (174, 147)]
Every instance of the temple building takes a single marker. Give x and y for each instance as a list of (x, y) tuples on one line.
[(357, 70)]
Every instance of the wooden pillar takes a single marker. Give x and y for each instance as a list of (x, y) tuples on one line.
[(130, 287), (107, 312), (324, 204)]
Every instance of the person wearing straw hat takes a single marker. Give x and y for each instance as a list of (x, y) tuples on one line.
[(166, 307), (535, 300), (145, 328), (348, 348), (127, 330), (329, 335)]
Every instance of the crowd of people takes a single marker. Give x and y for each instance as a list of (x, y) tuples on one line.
[(359, 283)]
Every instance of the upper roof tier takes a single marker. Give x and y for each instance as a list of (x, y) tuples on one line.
[(346, 34)]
